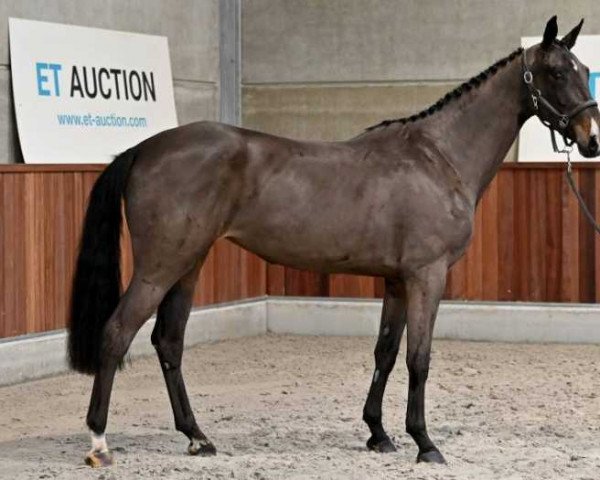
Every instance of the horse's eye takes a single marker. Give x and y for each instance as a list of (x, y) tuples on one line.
[(557, 74)]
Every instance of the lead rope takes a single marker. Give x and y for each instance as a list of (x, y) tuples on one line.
[(567, 149)]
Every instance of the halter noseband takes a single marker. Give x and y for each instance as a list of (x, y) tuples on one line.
[(547, 113)]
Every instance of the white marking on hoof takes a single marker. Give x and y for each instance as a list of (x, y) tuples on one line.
[(98, 443), (196, 445), (199, 445)]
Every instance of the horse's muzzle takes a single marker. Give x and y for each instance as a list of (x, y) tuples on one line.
[(586, 132), (590, 149)]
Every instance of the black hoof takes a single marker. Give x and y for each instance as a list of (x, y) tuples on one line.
[(432, 456), (381, 445), (203, 448)]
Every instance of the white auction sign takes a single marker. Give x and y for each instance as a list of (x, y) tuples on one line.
[(534, 139), (83, 95)]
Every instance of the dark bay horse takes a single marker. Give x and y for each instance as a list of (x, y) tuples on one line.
[(396, 201)]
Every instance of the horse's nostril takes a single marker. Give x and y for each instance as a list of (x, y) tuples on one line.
[(593, 144)]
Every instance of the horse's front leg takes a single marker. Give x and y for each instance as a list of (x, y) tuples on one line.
[(393, 321), (424, 291)]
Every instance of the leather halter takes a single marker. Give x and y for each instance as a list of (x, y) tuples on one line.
[(550, 116)]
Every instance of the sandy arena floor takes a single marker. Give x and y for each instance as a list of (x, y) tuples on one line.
[(290, 407)]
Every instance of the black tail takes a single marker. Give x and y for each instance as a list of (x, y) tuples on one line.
[(97, 282)]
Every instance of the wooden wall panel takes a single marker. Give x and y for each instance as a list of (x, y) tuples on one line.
[(351, 286), (530, 243), (305, 284), (586, 250), (596, 236), (554, 184), (489, 244), (41, 213), (506, 236)]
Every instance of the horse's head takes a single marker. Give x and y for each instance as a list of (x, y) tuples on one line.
[(559, 89)]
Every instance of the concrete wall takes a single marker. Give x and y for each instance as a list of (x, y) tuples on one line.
[(326, 69), (192, 27)]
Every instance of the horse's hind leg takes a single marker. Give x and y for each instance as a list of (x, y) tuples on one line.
[(393, 321), (167, 338), (135, 307)]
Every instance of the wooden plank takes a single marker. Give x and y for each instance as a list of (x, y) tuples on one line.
[(569, 280), (457, 281), (596, 204), (351, 286), (205, 293), (302, 283), (587, 289), (254, 275), (31, 270), (379, 289), (14, 254), (49, 227), (553, 245), (506, 233), (522, 235), (275, 279), (536, 221), (227, 272), (474, 259), (63, 248), (5, 320), (489, 243)]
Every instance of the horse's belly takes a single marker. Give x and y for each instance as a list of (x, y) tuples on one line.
[(320, 250)]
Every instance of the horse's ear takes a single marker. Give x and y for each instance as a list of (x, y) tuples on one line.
[(550, 33), (570, 38)]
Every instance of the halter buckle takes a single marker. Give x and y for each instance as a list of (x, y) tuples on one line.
[(563, 122), (535, 102), (527, 77)]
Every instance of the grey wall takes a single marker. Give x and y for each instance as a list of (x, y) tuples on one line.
[(321, 69), (192, 27), (328, 68)]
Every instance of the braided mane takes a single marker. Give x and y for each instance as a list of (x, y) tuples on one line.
[(474, 82)]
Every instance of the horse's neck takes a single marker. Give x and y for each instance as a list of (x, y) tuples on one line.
[(476, 132)]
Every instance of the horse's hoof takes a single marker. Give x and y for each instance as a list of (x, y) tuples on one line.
[(384, 445), (432, 456), (99, 459), (202, 447)]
